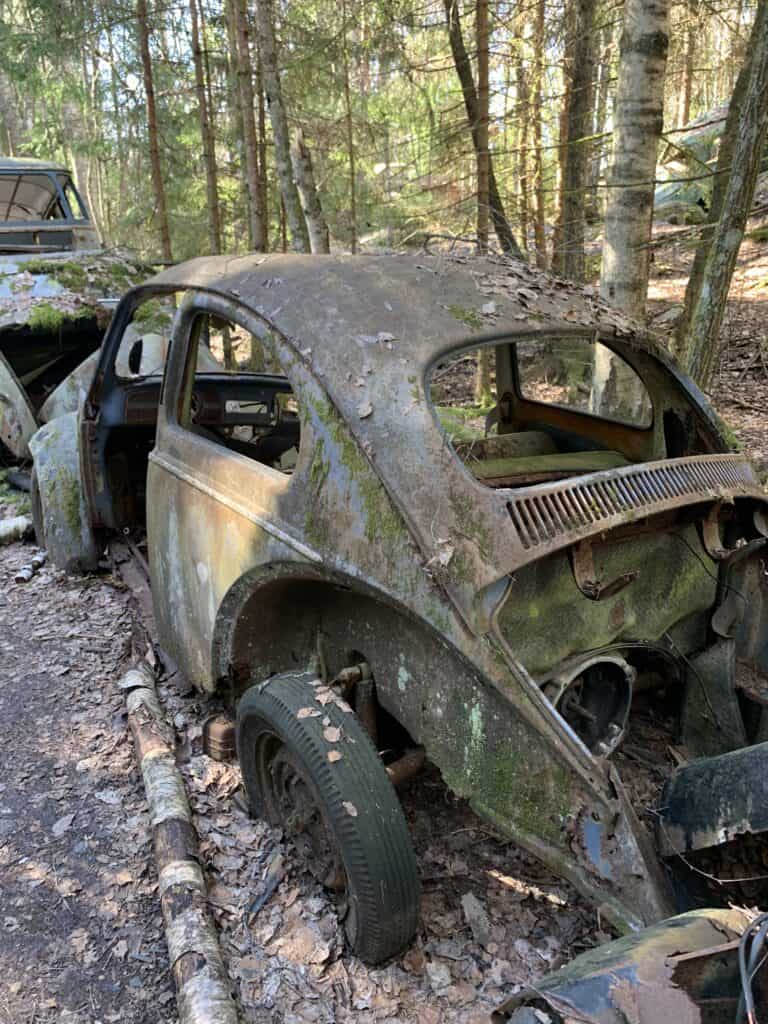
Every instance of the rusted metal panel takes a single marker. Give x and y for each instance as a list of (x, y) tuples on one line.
[(17, 419), (683, 970)]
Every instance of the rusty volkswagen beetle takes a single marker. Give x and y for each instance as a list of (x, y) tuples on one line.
[(404, 504)]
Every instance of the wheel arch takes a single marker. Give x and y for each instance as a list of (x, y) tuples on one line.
[(278, 617)]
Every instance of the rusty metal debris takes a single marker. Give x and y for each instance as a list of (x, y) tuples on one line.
[(684, 969), (512, 587)]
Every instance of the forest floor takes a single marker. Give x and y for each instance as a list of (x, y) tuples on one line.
[(80, 930)]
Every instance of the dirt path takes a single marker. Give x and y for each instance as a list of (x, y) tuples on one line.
[(80, 932)]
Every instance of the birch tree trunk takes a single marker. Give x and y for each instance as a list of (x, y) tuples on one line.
[(256, 230), (463, 66), (482, 152), (702, 344), (304, 174), (638, 121), (206, 137), (580, 124), (277, 115), (158, 186)]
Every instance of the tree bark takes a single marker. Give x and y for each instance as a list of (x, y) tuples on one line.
[(722, 174), (539, 228), (250, 143), (579, 126), (691, 31), (522, 118), (158, 186), (279, 119), (638, 121), (463, 66), (701, 348), (350, 132), (206, 137), (482, 35), (310, 200)]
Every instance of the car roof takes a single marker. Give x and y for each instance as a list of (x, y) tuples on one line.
[(29, 163), (328, 305)]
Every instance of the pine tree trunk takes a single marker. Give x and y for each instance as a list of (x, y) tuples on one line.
[(206, 137), (482, 35), (158, 186), (702, 343), (350, 132), (262, 125), (539, 227), (722, 174), (558, 241), (691, 31), (310, 200), (235, 121), (466, 79), (580, 121), (277, 115), (593, 210), (522, 118), (638, 121), (250, 142)]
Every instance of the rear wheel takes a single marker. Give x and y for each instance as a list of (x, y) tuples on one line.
[(309, 766)]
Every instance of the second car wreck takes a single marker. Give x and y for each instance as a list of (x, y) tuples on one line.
[(58, 289), (371, 568)]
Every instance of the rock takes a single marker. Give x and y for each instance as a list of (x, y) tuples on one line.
[(477, 918), (438, 975)]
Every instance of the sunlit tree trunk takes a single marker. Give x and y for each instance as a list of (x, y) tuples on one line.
[(638, 121), (158, 185), (277, 115), (703, 344), (310, 200), (206, 137), (463, 66)]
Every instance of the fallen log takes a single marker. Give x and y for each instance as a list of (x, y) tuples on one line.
[(15, 528), (202, 988)]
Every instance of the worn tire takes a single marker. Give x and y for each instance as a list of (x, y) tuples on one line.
[(374, 844)]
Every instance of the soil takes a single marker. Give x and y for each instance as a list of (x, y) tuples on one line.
[(81, 937)]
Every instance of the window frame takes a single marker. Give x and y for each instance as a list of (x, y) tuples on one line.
[(181, 369), (593, 337)]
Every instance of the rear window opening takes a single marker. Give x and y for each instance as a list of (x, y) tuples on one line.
[(532, 410)]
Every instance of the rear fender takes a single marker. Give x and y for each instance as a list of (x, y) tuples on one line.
[(66, 525)]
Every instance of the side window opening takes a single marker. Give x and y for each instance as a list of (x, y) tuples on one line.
[(507, 408), (237, 397)]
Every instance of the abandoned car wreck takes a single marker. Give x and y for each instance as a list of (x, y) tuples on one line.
[(363, 560), (58, 290)]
